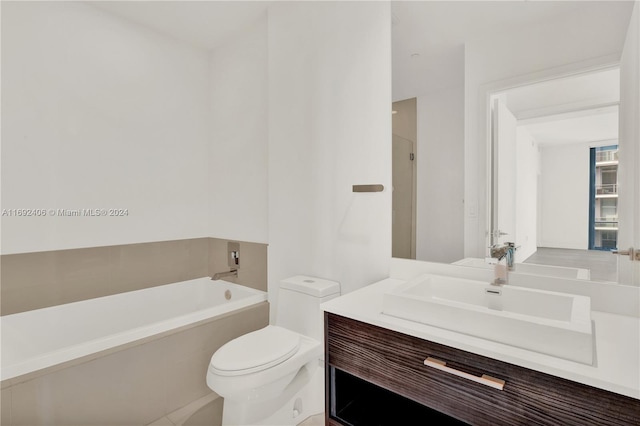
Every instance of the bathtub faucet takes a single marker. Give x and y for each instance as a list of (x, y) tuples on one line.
[(231, 273)]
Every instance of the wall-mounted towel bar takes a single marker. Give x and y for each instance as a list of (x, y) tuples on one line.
[(368, 188)]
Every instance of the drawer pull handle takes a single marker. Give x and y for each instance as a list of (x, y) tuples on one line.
[(484, 379)]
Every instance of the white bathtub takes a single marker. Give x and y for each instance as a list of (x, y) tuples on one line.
[(42, 338)]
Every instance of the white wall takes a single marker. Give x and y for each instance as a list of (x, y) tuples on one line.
[(506, 136), (564, 196), (500, 61), (440, 176), (629, 151), (527, 164), (100, 113), (239, 138), (329, 128)]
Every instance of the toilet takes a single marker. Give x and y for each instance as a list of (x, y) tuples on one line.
[(275, 375)]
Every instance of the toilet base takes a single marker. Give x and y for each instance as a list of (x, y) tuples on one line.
[(304, 397)]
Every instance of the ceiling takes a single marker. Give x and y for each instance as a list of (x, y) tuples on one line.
[(553, 111), (438, 30), (597, 128), (560, 95), (576, 109), (428, 39)]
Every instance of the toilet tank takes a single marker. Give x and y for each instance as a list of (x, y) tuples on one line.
[(299, 302)]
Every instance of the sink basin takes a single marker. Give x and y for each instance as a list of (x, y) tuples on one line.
[(532, 268), (552, 323)]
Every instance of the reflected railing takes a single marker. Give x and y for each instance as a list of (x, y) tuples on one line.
[(606, 223), (607, 189), (606, 156)]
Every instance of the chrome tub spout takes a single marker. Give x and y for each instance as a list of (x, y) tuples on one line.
[(219, 275)]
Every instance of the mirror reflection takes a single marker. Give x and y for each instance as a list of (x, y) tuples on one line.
[(554, 187), (551, 187)]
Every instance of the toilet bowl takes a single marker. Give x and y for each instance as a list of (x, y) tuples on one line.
[(274, 375)]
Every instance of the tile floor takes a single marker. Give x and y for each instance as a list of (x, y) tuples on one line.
[(602, 264), (317, 420)]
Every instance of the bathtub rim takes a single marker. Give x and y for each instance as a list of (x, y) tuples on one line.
[(19, 378)]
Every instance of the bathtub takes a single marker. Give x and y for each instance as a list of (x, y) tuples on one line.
[(130, 359), (43, 338)]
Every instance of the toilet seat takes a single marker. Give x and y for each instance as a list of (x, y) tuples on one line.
[(255, 351)]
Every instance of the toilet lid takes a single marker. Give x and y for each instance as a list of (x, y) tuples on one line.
[(255, 351)]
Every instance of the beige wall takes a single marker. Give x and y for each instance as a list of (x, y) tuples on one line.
[(133, 386), (37, 280), (253, 263)]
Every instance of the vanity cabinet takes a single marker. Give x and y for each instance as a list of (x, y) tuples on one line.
[(363, 360)]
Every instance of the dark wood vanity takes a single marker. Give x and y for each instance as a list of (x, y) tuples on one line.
[(378, 376)]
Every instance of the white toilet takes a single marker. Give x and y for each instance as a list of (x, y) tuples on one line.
[(271, 376)]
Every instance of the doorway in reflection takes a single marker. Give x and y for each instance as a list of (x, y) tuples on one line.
[(403, 166)]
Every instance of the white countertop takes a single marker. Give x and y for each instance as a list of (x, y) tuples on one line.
[(617, 342)]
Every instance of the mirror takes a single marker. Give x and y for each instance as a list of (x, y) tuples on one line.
[(554, 176), (455, 59)]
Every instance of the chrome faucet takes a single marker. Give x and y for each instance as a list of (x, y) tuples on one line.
[(231, 273), (507, 250)]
